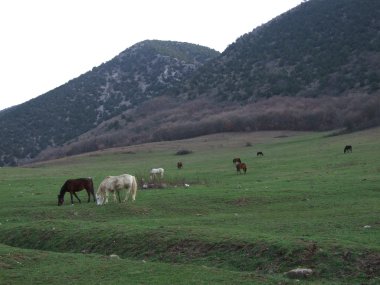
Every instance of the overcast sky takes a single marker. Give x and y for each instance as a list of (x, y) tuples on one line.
[(45, 43)]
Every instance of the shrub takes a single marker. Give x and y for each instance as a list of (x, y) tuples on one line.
[(183, 152)]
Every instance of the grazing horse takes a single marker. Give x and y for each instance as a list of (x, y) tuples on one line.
[(156, 172), (114, 185), (347, 148), (259, 153), (75, 185), (236, 160), (240, 166), (179, 164)]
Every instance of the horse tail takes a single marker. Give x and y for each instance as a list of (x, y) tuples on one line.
[(91, 185), (91, 188), (134, 188)]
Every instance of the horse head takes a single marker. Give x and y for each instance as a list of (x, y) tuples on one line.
[(60, 200), (99, 199)]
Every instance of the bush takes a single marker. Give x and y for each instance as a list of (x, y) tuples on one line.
[(183, 152)]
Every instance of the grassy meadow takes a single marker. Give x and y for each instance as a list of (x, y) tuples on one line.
[(303, 204)]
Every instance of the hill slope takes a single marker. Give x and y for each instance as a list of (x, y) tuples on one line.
[(312, 68), (319, 48), (134, 76)]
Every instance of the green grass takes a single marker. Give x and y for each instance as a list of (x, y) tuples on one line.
[(304, 204)]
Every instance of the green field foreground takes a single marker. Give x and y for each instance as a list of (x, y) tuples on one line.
[(303, 204)]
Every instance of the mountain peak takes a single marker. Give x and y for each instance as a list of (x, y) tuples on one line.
[(137, 74)]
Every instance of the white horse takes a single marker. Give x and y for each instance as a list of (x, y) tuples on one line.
[(156, 172), (114, 185)]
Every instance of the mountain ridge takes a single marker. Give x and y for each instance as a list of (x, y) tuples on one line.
[(319, 47), (137, 74)]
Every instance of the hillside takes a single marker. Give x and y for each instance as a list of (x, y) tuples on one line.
[(314, 67), (320, 48), (139, 73)]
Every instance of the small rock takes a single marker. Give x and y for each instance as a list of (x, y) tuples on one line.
[(114, 256), (367, 227), (299, 273)]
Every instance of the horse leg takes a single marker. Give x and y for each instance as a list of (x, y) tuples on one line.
[(127, 194), (114, 196), (75, 194), (107, 193), (71, 196), (88, 195), (118, 196)]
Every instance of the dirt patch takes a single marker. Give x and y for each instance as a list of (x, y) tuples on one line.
[(240, 202), (370, 264), (4, 265)]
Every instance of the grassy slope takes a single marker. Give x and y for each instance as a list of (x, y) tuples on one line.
[(304, 203)]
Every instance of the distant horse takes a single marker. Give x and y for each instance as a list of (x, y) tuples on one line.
[(156, 172), (236, 160), (179, 165), (259, 153), (75, 185), (114, 185), (347, 148), (240, 166)]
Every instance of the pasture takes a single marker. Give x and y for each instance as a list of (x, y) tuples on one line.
[(304, 204)]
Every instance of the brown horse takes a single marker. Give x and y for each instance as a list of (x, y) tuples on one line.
[(240, 166), (75, 185), (179, 164), (347, 148)]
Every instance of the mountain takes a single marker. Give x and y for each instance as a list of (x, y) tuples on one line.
[(321, 47), (314, 67), (137, 74)]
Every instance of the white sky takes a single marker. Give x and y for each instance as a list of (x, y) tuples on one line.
[(45, 43)]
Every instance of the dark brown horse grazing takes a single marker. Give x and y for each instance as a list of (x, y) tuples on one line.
[(236, 160), (259, 153), (240, 166), (347, 148), (75, 185)]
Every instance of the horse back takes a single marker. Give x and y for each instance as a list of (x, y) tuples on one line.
[(74, 185)]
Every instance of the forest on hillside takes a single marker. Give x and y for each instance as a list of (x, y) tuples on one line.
[(165, 118)]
